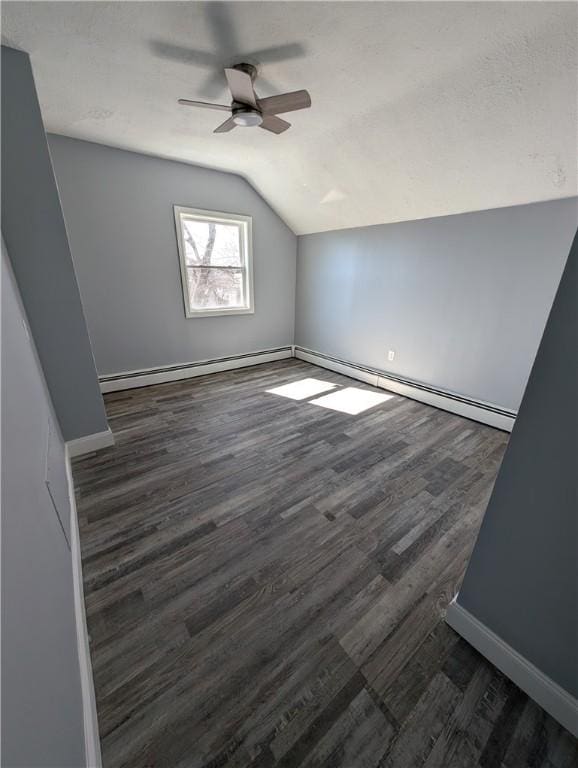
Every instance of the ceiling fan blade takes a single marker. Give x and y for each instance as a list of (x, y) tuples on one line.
[(214, 85), (241, 87), (204, 105), (184, 55), (285, 102), (228, 125), (278, 53), (274, 124), (222, 25)]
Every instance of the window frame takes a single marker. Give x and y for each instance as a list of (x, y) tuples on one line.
[(245, 224)]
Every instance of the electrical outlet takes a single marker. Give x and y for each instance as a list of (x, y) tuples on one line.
[(391, 355)]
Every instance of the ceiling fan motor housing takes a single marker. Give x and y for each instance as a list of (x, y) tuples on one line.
[(249, 69)]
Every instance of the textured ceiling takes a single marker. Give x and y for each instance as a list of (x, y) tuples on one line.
[(419, 109)]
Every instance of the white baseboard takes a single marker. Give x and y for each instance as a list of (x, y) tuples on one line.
[(90, 719), (486, 413), (543, 690), (147, 376), (90, 443)]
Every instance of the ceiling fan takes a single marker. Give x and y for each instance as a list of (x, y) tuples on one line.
[(247, 109)]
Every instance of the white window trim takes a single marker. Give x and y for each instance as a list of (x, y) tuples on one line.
[(218, 217)]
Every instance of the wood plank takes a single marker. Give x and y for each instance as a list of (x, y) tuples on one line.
[(266, 580)]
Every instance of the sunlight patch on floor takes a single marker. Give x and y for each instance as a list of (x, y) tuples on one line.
[(302, 389), (351, 400)]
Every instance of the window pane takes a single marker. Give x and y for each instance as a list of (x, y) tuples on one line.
[(209, 243), (215, 288)]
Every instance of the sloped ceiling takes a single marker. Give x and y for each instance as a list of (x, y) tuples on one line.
[(419, 109)]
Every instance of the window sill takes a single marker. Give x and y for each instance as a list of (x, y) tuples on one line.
[(220, 312)]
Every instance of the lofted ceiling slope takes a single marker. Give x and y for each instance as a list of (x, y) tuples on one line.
[(419, 109)]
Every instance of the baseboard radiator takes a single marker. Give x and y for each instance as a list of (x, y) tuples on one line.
[(480, 411), (486, 413), (147, 376)]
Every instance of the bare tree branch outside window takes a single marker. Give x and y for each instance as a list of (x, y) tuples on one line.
[(214, 264)]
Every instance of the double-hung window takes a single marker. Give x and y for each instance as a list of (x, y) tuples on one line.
[(216, 263)]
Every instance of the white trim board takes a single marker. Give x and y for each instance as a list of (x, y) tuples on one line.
[(245, 229), (91, 735), (486, 413), (90, 443), (543, 690), (147, 376)]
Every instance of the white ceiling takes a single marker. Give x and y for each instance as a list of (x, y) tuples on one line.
[(419, 109)]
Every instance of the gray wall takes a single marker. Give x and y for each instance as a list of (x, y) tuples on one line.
[(119, 211), (35, 235), (461, 299), (42, 721), (522, 579)]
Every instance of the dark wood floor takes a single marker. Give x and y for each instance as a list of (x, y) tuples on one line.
[(266, 582)]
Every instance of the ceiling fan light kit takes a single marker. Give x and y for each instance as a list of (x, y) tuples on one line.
[(246, 118), (247, 109)]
